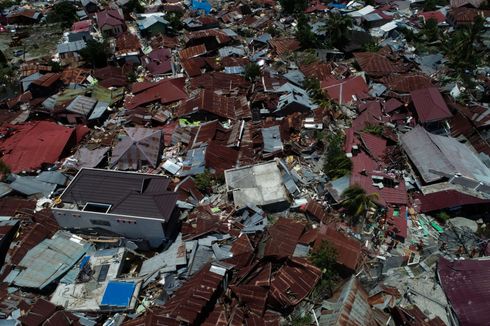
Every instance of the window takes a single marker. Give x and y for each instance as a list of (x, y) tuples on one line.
[(97, 207), (104, 269), (100, 222)]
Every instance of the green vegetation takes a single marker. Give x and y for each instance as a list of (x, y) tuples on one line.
[(95, 53), (443, 216), (325, 258), (371, 47), (357, 202), (252, 71), (301, 320), (305, 35), (431, 31), (4, 168), (4, 4), (204, 181), (463, 49), (63, 12), (338, 29), (431, 5), (337, 164), (175, 20), (293, 6), (133, 6), (374, 129)]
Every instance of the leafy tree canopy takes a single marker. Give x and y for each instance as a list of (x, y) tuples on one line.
[(293, 6), (95, 53), (252, 71), (63, 12)]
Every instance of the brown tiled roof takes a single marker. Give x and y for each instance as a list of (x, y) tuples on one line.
[(127, 42)]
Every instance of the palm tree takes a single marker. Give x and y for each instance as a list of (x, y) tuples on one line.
[(357, 202), (338, 28)]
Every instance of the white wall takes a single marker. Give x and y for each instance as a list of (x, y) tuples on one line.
[(133, 228)]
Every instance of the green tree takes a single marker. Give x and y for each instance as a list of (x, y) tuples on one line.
[(371, 47), (204, 181), (293, 6), (464, 49), (63, 12), (430, 5), (430, 30), (95, 53), (252, 71), (175, 20), (133, 6), (357, 202), (325, 258), (374, 129), (3, 59), (4, 4), (304, 34), (4, 168), (337, 164), (338, 28)]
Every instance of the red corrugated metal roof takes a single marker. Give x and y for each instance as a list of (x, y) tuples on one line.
[(376, 64), (447, 199), (284, 236), (348, 249), (189, 301), (293, 282), (375, 145), (193, 51), (165, 91), (430, 105), (436, 15), (398, 224), (28, 146), (407, 83), (284, 45), (467, 286), (345, 91), (227, 107), (47, 80)]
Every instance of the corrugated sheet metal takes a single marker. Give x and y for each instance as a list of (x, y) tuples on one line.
[(284, 235), (430, 105), (140, 147), (49, 260), (466, 283), (32, 144), (293, 282)]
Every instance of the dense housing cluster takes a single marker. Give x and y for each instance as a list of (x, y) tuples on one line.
[(248, 162)]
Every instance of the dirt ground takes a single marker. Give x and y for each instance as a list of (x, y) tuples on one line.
[(42, 41)]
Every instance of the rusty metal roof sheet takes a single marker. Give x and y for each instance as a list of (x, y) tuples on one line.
[(141, 146), (284, 45), (376, 64), (284, 235), (226, 107), (189, 301), (348, 249), (466, 283), (192, 52), (352, 307), (430, 105), (293, 282)]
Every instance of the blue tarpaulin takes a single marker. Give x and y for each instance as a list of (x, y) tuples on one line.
[(203, 5), (118, 294)]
